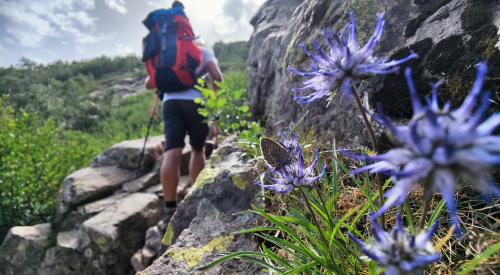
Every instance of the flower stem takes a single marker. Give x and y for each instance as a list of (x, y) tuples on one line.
[(421, 223), (319, 229), (375, 150)]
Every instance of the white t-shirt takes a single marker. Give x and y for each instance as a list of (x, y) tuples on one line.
[(191, 94)]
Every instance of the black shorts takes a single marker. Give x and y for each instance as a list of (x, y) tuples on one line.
[(179, 116)]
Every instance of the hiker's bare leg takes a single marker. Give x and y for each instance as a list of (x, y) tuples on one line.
[(170, 173), (196, 163)]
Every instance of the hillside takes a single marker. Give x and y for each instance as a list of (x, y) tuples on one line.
[(232, 56), (71, 112)]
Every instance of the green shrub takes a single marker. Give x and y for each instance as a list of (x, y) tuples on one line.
[(35, 158)]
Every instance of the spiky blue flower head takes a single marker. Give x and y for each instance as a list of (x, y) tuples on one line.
[(400, 252), (292, 145), (346, 63), (289, 177), (439, 146)]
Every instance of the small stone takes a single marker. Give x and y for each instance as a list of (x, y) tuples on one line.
[(88, 253), (136, 261), (148, 255), (50, 257), (95, 263)]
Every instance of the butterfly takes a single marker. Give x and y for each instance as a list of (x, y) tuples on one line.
[(274, 154)]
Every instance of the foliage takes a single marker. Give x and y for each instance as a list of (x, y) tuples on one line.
[(227, 107), (60, 90), (232, 56), (35, 158), (130, 117)]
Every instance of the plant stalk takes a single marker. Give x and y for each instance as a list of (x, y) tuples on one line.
[(375, 150), (317, 226), (421, 223)]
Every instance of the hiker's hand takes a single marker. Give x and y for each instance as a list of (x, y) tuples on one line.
[(148, 84)]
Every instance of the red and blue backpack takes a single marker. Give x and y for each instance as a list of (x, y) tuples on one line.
[(169, 51)]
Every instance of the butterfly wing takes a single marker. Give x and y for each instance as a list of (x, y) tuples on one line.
[(274, 154)]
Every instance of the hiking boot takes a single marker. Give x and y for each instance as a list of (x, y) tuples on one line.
[(169, 212)]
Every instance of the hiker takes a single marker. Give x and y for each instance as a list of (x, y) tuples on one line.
[(180, 112)]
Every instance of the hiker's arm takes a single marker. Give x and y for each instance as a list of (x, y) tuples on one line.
[(214, 71), (148, 84)]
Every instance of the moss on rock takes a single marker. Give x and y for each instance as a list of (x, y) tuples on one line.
[(206, 176), (239, 182), (426, 8), (394, 95), (169, 234), (475, 16), (193, 256), (444, 53)]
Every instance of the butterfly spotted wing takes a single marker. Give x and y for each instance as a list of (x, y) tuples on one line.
[(274, 154)]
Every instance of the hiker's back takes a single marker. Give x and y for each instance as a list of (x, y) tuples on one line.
[(170, 54)]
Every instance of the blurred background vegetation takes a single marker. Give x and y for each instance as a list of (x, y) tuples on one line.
[(55, 118)]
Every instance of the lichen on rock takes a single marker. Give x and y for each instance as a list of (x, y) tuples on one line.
[(193, 256), (206, 176)]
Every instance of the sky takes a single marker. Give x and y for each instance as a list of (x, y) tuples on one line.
[(49, 30)]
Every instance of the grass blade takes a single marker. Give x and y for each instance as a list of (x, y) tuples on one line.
[(493, 249)]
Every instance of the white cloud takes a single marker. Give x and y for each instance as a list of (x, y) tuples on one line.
[(118, 5), (83, 18), (30, 22), (123, 49), (50, 52), (1, 48), (80, 49)]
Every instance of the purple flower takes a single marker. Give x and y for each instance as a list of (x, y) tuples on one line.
[(346, 63), (438, 146), (292, 145), (399, 252), (289, 177)]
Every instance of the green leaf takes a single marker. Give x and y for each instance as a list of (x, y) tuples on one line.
[(238, 94), (409, 216), (211, 103), (232, 256), (300, 120), (436, 212), (244, 108), (197, 100), (275, 257), (203, 112), (472, 265), (221, 103)]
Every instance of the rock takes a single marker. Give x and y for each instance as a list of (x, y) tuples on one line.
[(93, 208), (117, 232), (183, 187), (148, 255), (126, 153), (202, 226), (23, 249), (450, 36), (146, 180), (90, 184), (136, 261), (153, 238), (68, 239)]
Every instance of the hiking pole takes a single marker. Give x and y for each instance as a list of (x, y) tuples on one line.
[(147, 133)]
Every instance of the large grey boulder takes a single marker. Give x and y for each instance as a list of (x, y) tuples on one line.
[(104, 243), (126, 154), (23, 248), (449, 35), (201, 228), (89, 184)]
